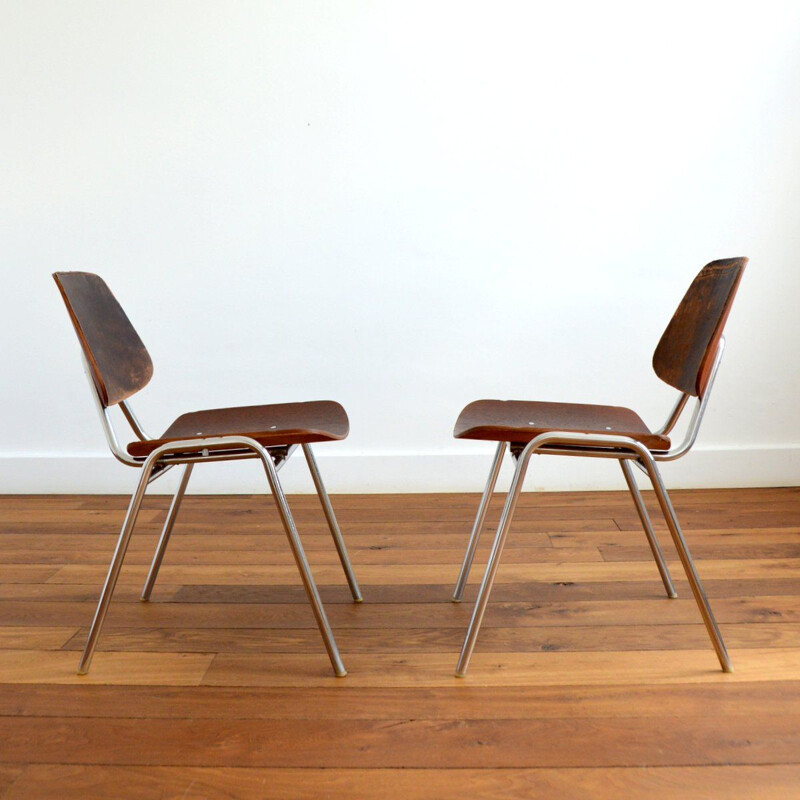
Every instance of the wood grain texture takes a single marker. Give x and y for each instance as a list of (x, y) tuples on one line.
[(67, 782), (587, 681), (520, 421), (278, 424), (119, 361), (684, 356)]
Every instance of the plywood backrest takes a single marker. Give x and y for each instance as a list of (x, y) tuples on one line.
[(685, 354), (120, 363)]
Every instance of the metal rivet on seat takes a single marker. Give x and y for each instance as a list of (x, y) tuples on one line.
[(531, 423), (608, 427), (273, 427)]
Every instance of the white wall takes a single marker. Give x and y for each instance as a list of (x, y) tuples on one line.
[(403, 206)]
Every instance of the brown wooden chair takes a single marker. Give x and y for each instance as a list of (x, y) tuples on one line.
[(118, 366), (687, 358)]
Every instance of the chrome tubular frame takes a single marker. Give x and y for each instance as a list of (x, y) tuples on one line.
[(188, 453), (625, 450), (480, 519), (179, 449), (166, 531), (333, 525), (652, 540)]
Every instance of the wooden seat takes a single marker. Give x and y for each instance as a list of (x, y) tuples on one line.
[(270, 426), (687, 358), (520, 421)]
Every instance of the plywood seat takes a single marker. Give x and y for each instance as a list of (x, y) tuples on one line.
[(270, 425), (520, 421)]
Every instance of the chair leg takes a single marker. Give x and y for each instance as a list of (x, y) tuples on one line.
[(163, 540), (688, 564), (480, 520), (114, 568), (338, 540), (492, 565), (302, 564), (648, 527)]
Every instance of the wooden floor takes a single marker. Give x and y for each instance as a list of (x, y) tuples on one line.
[(587, 681)]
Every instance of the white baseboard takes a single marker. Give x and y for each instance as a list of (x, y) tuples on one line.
[(450, 471)]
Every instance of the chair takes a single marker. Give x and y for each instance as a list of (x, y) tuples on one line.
[(118, 365), (687, 358)]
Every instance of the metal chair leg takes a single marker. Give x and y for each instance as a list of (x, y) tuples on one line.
[(492, 565), (480, 520), (114, 568), (163, 540), (688, 564), (648, 527), (338, 540), (302, 564)]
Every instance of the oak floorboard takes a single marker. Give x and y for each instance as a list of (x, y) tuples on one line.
[(35, 638), (282, 556), (380, 574), (48, 666), (504, 669), (610, 638), (67, 782), (8, 774), (654, 611), (533, 591), (404, 742), (457, 702)]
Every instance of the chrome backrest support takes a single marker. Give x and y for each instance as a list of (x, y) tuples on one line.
[(105, 420), (279, 454), (697, 415), (133, 421)]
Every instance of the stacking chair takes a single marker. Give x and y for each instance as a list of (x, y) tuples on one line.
[(687, 358), (118, 365)]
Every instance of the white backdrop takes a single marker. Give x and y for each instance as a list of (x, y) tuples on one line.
[(403, 206)]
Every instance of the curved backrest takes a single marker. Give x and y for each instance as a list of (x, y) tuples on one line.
[(120, 363), (685, 354)]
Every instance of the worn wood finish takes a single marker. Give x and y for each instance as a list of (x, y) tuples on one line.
[(121, 366), (68, 782), (683, 359), (520, 421), (587, 681), (684, 356), (120, 363), (282, 423)]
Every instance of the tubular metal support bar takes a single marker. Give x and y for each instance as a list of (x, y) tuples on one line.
[(641, 510), (302, 563), (115, 566), (494, 562), (133, 420), (623, 443), (333, 525), (105, 421), (697, 416), (480, 520), (688, 564), (163, 540), (674, 416)]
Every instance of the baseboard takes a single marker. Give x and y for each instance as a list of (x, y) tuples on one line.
[(372, 472)]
